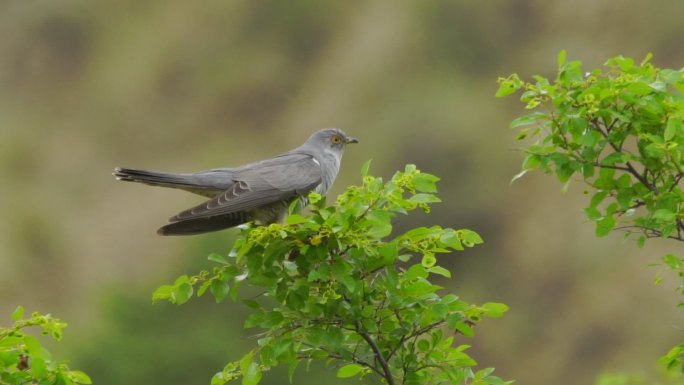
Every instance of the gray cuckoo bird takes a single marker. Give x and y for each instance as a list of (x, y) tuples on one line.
[(259, 191)]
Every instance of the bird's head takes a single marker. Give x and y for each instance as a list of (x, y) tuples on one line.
[(332, 139)]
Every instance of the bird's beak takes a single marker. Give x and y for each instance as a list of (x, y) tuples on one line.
[(351, 139)]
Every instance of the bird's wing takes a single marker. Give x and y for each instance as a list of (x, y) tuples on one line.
[(261, 183)]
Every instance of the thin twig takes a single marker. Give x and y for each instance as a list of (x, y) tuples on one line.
[(378, 354), (599, 165), (630, 167), (336, 356)]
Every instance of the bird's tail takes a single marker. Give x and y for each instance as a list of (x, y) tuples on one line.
[(187, 182), (201, 225)]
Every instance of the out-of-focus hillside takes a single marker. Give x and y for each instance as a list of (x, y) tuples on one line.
[(181, 86)]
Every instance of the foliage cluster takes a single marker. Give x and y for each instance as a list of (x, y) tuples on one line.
[(338, 285), (619, 129), (23, 360)]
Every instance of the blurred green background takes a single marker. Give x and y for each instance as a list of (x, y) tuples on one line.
[(181, 86)]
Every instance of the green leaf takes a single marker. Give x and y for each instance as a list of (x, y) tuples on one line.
[(322, 274), (655, 150), (252, 374), (426, 183), (673, 126), (294, 207), (508, 86), (624, 63), (18, 313), (348, 281), (349, 370), (589, 139), (218, 379), (7, 343), (641, 241), (219, 289), (415, 271), (424, 198), (527, 120), (291, 369), (465, 329), (420, 288), (295, 219), (570, 73), (560, 59), (639, 88), (440, 271), (163, 292), (470, 238), (182, 293), (35, 349), (389, 250), (451, 240), (673, 262), (531, 162), (604, 226), (365, 168), (314, 197), (419, 233), (38, 366), (646, 59), (218, 258), (423, 345), (494, 310), (272, 319), (565, 170), (664, 215), (623, 182), (592, 213), (428, 260), (597, 199), (203, 288), (79, 377), (380, 230)]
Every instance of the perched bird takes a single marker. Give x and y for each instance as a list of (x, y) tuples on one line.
[(259, 191)]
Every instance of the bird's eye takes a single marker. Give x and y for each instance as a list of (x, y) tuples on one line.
[(336, 139)]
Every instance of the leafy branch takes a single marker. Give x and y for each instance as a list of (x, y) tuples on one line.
[(627, 121), (620, 130), (23, 360), (339, 285)]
